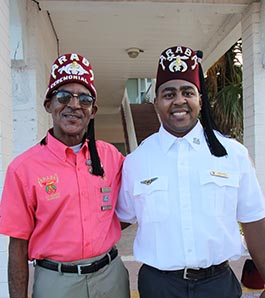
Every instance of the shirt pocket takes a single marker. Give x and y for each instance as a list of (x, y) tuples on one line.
[(218, 191), (151, 199)]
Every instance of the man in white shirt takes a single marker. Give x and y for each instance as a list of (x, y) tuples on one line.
[(188, 186)]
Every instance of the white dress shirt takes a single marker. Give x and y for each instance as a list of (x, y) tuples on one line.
[(188, 202)]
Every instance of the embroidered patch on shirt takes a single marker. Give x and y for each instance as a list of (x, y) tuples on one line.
[(49, 182)]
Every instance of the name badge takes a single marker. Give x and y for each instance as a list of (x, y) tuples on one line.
[(219, 174)]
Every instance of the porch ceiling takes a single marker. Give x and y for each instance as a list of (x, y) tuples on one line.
[(103, 30)]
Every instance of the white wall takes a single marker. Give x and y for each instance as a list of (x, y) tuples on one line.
[(6, 148), (30, 74), (254, 88)]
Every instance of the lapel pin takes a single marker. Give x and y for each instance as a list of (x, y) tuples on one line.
[(105, 189), (196, 141), (105, 198), (106, 207)]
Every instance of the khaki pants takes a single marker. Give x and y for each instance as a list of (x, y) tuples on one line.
[(111, 281)]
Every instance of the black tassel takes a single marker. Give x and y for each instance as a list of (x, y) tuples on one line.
[(208, 123), (43, 142), (97, 169)]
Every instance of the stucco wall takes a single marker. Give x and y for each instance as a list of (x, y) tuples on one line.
[(30, 76), (5, 126), (254, 88)]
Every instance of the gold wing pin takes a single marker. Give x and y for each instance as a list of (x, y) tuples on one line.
[(149, 181)]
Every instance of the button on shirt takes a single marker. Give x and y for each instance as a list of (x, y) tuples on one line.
[(187, 202), (52, 200)]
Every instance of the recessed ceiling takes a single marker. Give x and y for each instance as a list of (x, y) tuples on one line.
[(103, 30)]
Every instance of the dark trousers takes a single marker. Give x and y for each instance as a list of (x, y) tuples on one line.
[(153, 283)]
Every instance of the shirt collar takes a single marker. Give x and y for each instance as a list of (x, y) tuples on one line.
[(58, 148), (194, 137)]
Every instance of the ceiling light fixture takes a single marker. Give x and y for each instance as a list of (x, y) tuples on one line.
[(134, 52)]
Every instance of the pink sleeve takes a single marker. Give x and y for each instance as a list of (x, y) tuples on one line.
[(16, 210)]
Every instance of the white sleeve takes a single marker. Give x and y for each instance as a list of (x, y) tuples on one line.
[(251, 202), (125, 207)]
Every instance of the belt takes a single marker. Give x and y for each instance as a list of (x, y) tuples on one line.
[(193, 273), (81, 268)]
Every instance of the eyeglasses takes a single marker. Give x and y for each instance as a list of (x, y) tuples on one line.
[(64, 97)]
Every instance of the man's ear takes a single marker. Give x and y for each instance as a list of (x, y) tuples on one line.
[(156, 108), (47, 105), (94, 111), (155, 103), (200, 101)]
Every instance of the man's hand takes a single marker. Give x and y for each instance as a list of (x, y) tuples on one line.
[(254, 233)]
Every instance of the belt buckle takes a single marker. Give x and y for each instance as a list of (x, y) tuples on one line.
[(109, 257), (185, 274), (80, 266)]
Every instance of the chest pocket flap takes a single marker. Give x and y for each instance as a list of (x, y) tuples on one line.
[(220, 178), (149, 185)]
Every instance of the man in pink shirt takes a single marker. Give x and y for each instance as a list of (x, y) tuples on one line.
[(59, 197)]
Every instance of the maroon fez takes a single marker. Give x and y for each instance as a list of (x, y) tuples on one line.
[(178, 63), (71, 68)]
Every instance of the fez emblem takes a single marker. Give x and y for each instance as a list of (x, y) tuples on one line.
[(178, 64), (73, 68)]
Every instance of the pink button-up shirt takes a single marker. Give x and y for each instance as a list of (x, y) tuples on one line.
[(51, 199)]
